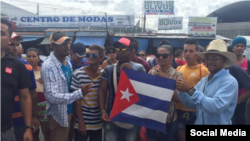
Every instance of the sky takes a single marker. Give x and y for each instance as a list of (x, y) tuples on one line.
[(182, 8)]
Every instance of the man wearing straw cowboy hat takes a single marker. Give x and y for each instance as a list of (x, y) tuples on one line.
[(215, 96)]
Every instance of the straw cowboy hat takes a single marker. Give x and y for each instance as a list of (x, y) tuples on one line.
[(219, 47)]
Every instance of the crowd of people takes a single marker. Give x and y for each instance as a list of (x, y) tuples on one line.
[(71, 94)]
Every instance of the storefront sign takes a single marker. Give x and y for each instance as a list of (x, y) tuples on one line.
[(202, 26), (159, 7), (72, 21), (174, 23), (115, 29)]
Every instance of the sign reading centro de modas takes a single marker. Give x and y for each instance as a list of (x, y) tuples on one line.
[(72, 21), (202, 26), (174, 23), (159, 7)]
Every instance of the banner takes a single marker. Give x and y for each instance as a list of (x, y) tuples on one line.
[(174, 23), (72, 21), (202, 26), (159, 7)]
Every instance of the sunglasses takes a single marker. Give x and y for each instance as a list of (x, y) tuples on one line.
[(214, 58), (111, 51), (94, 55), (164, 55), (141, 54), (123, 50)]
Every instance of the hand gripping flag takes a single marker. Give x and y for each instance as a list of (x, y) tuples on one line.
[(143, 99)]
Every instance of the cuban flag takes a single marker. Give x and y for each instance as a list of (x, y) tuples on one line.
[(143, 99)]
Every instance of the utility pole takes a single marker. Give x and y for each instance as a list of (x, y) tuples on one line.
[(37, 9), (106, 22), (144, 18), (144, 23)]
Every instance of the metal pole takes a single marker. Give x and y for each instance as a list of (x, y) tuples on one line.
[(144, 23), (37, 9), (106, 22), (144, 18)]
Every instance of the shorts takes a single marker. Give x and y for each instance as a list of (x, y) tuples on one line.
[(185, 118), (41, 109)]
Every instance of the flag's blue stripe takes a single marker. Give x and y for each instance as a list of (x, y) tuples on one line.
[(153, 103), (148, 123), (151, 79)]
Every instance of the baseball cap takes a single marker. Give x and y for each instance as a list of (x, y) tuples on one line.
[(14, 35), (123, 41), (79, 49), (58, 38), (164, 42)]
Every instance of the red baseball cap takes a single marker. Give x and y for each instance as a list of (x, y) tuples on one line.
[(14, 35), (123, 41)]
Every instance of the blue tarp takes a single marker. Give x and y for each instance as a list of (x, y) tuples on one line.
[(91, 40), (143, 43), (26, 39)]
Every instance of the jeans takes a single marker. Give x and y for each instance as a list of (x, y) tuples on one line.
[(239, 114), (185, 118), (93, 135), (247, 112), (7, 135), (19, 132), (159, 136), (113, 132)]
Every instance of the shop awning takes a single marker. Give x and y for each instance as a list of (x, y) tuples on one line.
[(143, 43), (91, 40), (27, 39), (45, 41)]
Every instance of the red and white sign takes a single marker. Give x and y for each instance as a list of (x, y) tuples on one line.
[(202, 26), (8, 70)]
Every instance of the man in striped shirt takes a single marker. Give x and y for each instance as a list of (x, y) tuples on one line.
[(88, 122)]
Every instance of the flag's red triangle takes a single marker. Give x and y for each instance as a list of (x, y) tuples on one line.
[(121, 102)]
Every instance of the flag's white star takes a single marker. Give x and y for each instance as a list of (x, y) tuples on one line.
[(126, 94)]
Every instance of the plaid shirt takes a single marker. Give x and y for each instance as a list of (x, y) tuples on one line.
[(173, 74), (56, 90)]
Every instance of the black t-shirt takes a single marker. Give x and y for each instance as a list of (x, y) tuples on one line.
[(241, 76), (14, 76)]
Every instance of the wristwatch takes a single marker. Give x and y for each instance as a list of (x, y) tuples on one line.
[(191, 91), (29, 127)]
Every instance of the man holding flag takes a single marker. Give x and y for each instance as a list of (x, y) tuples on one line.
[(112, 130), (215, 96)]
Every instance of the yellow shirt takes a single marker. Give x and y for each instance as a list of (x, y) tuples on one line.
[(191, 74)]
